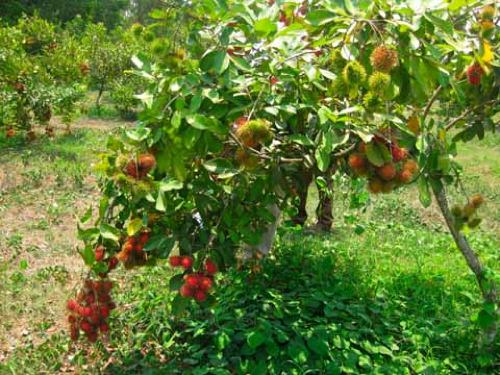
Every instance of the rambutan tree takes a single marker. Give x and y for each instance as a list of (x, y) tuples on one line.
[(382, 91), (39, 76)]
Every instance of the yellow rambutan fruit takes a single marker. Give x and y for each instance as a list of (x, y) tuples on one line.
[(255, 132)]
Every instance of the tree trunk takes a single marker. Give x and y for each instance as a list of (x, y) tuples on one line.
[(99, 97), (303, 180), (324, 210), (488, 287)]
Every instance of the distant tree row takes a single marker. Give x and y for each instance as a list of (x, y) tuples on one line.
[(111, 13)]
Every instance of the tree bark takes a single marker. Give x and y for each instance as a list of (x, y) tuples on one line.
[(303, 181), (99, 96), (487, 287), (324, 211)]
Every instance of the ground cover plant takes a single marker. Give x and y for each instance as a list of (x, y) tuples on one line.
[(192, 222)]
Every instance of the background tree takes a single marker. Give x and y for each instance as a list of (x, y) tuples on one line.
[(109, 12)]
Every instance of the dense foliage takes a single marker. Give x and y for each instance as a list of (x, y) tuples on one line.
[(47, 70), (109, 12), (265, 88)]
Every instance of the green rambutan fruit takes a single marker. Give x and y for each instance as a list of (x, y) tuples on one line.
[(371, 101), (159, 47), (255, 132), (337, 62), (148, 36), (379, 82), (339, 88), (137, 29), (354, 74)]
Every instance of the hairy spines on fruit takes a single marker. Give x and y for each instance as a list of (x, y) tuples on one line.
[(387, 172), (476, 200), (254, 133), (474, 74), (487, 13), (375, 185), (384, 59), (379, 82), (337, 62), (372, 101), (354, 74)]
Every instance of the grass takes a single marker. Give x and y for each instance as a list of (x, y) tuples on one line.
[(386, 292)]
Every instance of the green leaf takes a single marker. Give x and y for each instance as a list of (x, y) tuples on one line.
[(318, 345), (320, 17), (440, 23), (86, 216), (325, 114), (301, 139), (204, 123), (110, 233), (169, 184), (221, 62), (211, 94), (179, 305), (265, 26), (322, 158), (298, 351), (222, 167), (375, 154), (240, 63), (255, 339), (457, 4), (88, 255), (103, 206), (424, 192), (383, 350), (138, 134), (176, 282), (134, 227), (216, 61), (485, 320), (88, 235), (195, 104), (160, 202), (222, 340)]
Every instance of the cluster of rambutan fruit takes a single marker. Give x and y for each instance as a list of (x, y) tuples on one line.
[(486, 18), (140, 167), (467, 214), (132, 252), (398, 169), (90, 310), (10, 133), (352, 75), (486, 22), (196, 284)]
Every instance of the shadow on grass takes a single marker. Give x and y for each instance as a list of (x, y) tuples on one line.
[(312, 309), (68, 147)]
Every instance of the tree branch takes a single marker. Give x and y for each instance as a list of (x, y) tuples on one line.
[(431, 102), (465, 113), (487, 287)]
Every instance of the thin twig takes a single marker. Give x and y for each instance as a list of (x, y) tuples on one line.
[(431, 102), (465, 113)]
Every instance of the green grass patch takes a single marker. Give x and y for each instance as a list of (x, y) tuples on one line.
[(386, 292)]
